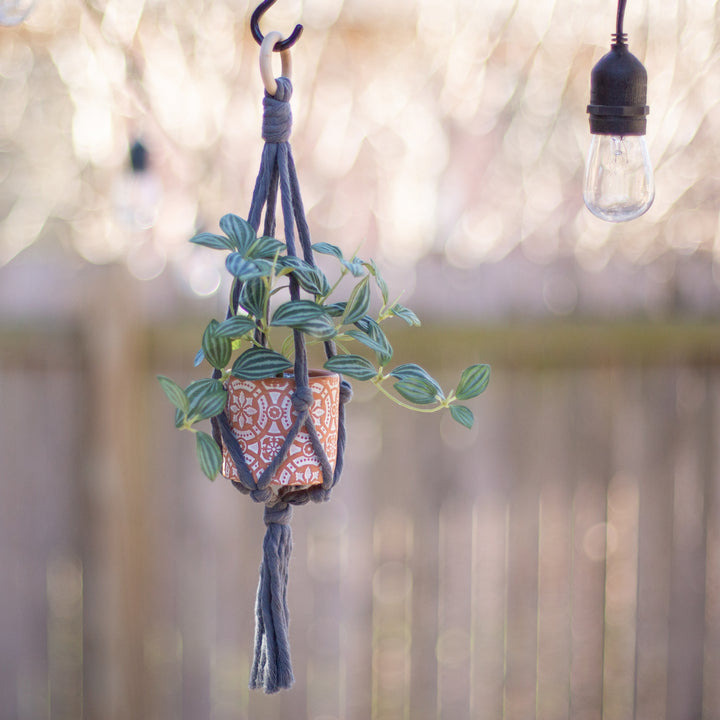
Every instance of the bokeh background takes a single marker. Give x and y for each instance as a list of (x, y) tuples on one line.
[(561, 560)]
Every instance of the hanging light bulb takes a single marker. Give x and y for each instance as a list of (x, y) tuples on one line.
[(138, 191), (619, 183)]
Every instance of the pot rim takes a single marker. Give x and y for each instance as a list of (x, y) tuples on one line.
[(313, 374)]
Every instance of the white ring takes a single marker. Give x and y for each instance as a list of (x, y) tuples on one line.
[(266, 53)]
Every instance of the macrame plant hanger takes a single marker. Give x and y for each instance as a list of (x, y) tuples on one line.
[(272, 669)]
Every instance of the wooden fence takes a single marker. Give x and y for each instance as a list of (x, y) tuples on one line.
[(560, 561)]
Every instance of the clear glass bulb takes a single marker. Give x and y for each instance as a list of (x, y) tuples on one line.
[(619, 183)]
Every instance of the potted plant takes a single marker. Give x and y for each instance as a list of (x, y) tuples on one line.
[(278, 428), (254, 346)]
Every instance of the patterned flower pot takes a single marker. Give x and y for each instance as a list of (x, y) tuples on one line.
[(261, 414)]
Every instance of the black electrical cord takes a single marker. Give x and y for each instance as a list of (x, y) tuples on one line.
[(620, 37)]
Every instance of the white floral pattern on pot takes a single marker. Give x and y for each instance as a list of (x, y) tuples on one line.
[(261, 414)]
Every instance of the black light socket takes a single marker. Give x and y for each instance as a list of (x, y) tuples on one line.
[(618, 93)]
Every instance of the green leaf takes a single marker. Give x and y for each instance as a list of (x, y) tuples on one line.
[(405, 314), (473, 381), (463, 415), (416, 384), (199, 357), (313, 280), (358, 302), (380, 348), (328, 249), (254, 297), (207, 406), (310, 278), (235, 327), (354, 366), (258, 363), (411, 370), (217, 349), (379, 280), (175, 394), (216, 242), (355, 266), (321, 327), (244, 269), (239, 230), (336, 309), (292, 262), (202, 387), (295, 312), (207, 398), (265, 247), (375, 332), (208, 454), (306, 316), (417, 390)]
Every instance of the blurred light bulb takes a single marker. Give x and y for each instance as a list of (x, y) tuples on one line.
[(138, 192), (619, 183)]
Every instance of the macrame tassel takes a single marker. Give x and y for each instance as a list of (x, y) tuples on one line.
[(272, 668)]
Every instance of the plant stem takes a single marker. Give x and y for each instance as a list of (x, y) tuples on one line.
[(377, 382)]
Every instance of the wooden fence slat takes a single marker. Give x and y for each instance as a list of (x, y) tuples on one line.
[(558, 562), (687, 598), (655, 433)]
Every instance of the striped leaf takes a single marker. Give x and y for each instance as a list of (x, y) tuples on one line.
[(310, 278), (241, 268), (355, 266), (358, 302), (216, 242), (463, 415), (405, 314), (417, 390), (235, 327), (473, 381), (354, 366), (375, 332), (239, 230), (416, 384), (254, 297), (258, 363), (378, 344), (336, 309), (379, 280), (296, 312), (265, 247), (306, 316), (207, 398), (208, 454), (175, 394), (328, 249), (411, 371), (321, 327), (217, 349)]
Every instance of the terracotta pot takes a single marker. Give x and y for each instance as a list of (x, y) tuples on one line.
[(261, 414)]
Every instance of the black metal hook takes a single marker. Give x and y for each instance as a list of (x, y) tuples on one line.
[(260, 10)]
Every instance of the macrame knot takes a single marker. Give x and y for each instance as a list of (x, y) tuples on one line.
[(319, 494), (346, 392), (261, 496), (302, 399), (279, 514), (277, 116)]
